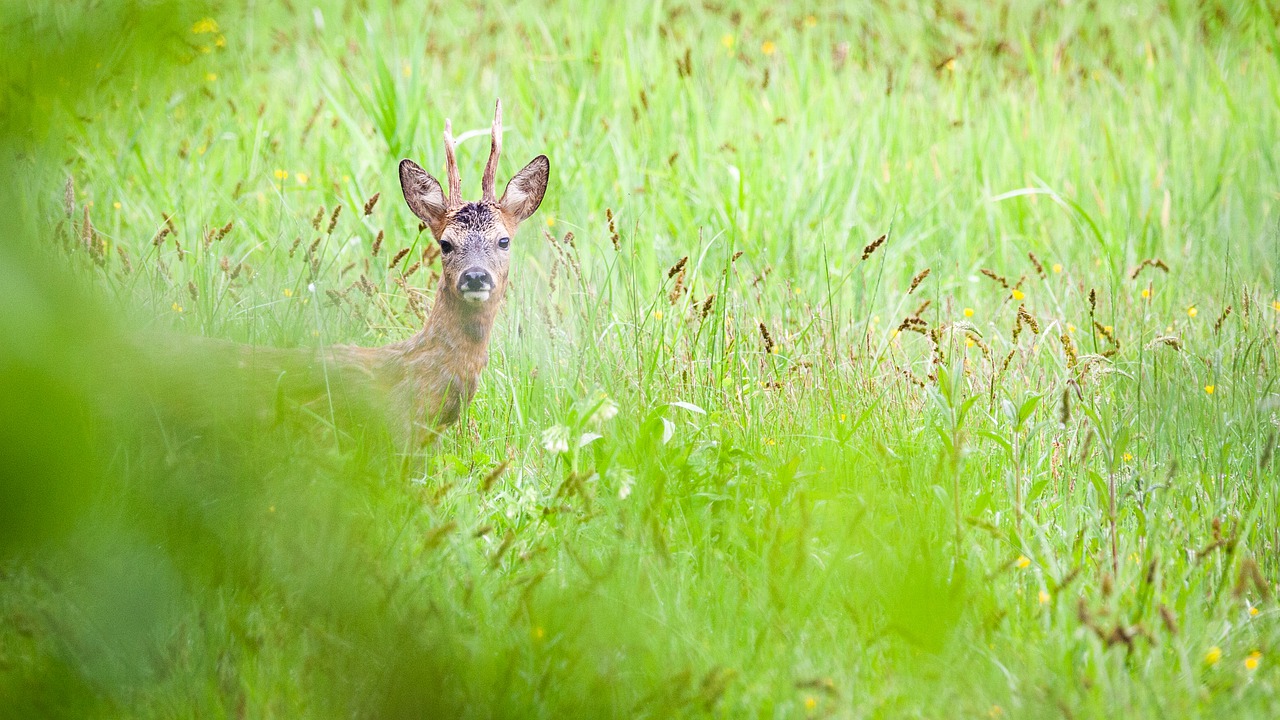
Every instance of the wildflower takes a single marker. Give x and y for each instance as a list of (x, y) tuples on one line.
[(407, 70), (1192, 311), (282, 174), (770, 441), (1022, 563), (1208, 389), (657, 314), (220, 42), (1253, 612), (1251, 662), (605, 412), (177, 308), (810, 702), (551, 221), (1057, 268), (302, 178), (288, 292), (1108, 329), (1018, 295), (1128, 457), (1043, 597), (768, 47), (968, 342), (968, 312), (1213, 655), (1146, 293), (1071, 328), (205, 26), (1276, 305), (555, 439), (539, 633), (211, 77), (727, 41), (116, 205), (843, 417)]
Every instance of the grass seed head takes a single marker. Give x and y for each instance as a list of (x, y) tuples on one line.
[(919, 278), (368, 204), (395, 259), (333, 219), (768, 339), (875, 245), (318, 218), (1002, 280), (1217, 326), (1035, 262), (671, 272), (377, 243)]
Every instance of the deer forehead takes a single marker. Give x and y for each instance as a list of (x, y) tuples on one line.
[(475, 218)]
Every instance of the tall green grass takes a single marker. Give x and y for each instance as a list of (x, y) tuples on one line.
[(725, 460)]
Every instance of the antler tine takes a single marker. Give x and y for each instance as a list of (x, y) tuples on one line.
[(451, 166), (491, 167)]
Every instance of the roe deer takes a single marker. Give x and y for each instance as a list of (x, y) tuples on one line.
[(429, 378)]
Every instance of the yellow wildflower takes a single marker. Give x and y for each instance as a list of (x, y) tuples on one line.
[(302, 178), (657, 314), (1275, 305), (968, 312), (282, 174), (1192, 311), (220, 42), (177, 308), (1022, 563), (539, 633), (727, 41), (211, 77), (1208, 389), (810, 703), (407, 70), (1213, 655), (288, 292), (551, 221), (810, 21), (116, 205), (1251, 662), (1044, 597), (843, 417), (1128, 457), (768, 47), (1018, 295), (1057, 267), (1253, 612), (205, 26), (1146, 293)]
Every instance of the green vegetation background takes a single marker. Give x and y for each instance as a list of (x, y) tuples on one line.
[(732, 456)]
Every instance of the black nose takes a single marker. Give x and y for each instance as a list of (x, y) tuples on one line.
[(476, 279)]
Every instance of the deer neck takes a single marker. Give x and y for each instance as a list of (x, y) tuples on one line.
[(455, 337)]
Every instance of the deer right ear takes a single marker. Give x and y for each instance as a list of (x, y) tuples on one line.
[(524, 193), (423, 195)]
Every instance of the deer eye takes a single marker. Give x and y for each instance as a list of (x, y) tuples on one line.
[(504, 243), (446, 247)]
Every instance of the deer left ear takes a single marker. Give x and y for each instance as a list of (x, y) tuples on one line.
[(524, 193)]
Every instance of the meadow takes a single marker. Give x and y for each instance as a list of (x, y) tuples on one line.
[(897, 359)]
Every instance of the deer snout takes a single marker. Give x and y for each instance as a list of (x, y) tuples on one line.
[(475, 284)]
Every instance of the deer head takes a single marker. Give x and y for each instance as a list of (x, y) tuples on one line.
[(474, 237)]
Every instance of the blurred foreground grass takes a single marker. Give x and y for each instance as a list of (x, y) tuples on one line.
[(790, 475)]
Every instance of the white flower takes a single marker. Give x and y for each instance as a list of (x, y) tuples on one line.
[(311, 288), (556, 439), (605, 412)]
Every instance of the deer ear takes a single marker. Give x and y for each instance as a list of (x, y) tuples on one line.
[(524, 193), (423, 195)]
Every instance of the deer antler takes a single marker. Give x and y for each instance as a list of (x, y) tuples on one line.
[(451, 166), (491, 167)]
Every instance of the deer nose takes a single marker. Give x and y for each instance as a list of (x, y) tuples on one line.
[(475, 280)]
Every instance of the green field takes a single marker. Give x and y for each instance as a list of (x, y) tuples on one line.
[(899, 359)]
